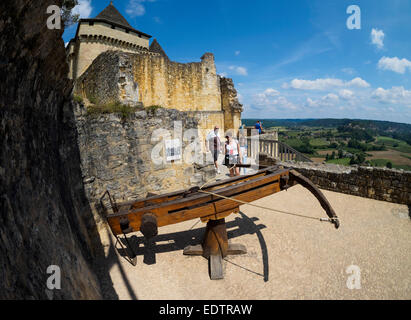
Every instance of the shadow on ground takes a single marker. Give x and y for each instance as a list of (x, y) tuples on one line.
[(148, 249)]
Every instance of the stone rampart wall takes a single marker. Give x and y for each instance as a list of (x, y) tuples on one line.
[(376, 183)]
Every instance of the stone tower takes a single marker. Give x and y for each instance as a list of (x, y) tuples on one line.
[(108, 31)]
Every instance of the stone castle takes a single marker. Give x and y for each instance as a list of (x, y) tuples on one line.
[(110, 61)]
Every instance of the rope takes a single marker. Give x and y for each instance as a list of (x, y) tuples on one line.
[(262, 207)]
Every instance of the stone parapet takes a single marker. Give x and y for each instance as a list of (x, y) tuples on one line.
[(369, 182)]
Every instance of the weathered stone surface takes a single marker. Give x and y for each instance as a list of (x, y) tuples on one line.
[(116, 155), (152, 80), (45, 217), (231, 106), (116, 76)]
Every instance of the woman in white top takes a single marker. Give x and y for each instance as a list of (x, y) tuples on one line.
[(232, 155)]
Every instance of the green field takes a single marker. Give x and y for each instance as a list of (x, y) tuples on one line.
[(394, 144), (320, 143), (379, 162), (331, 140), (355, 141)]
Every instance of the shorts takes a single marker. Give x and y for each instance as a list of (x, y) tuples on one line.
[(215, 154), (232, 160), (235, 159)]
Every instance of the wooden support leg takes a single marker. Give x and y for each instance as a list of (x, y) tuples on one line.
[(215, 247)]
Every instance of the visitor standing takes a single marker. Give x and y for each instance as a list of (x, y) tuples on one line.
[(213, 144), (258, 127)]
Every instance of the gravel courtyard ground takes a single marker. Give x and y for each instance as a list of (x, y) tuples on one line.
[(288, 257)]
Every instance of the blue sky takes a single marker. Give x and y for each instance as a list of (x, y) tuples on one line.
[(289, 59)]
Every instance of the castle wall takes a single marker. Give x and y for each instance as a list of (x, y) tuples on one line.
[(375, 183), (153, 80), (230, 105), (117, 76), (186, 87), (45, 217), (207, 120), (116, 155), (90, 49)]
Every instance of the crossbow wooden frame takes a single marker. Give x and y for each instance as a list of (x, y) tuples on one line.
[(212, 204)]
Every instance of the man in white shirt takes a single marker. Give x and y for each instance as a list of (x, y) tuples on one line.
[(213, 144)]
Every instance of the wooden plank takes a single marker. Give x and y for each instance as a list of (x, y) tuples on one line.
[(231, 183), (140, 203), (200, 198), (196, 250), (236, 249), (206, 209), (216, 267)]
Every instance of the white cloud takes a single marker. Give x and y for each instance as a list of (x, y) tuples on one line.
[(237, 53), (394, 64), (265, 97), (83, 8), (327, 101), (271, 92), (377, 38), (346, 94), (395, 95), (325, 84), (136, 8), (311, 102), (272, 98), (239, 70), (358, 82), (349, 71), (319, 84), (331, 97), (223, 74)]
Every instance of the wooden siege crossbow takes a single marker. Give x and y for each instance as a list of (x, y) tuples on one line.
[(212, 204)]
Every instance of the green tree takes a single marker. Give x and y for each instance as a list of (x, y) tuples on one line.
[(333, 145), (340, 154), (389, 165), (360, 158), (353, 161)]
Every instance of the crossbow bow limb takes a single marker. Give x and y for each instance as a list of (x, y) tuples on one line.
[(309, 185)]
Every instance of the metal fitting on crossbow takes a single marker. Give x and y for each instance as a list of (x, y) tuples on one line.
[(334, 221)]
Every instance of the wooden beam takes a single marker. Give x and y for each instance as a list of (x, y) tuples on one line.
[(204, 209)]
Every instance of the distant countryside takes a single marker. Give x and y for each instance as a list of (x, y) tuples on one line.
[(346, 142)]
